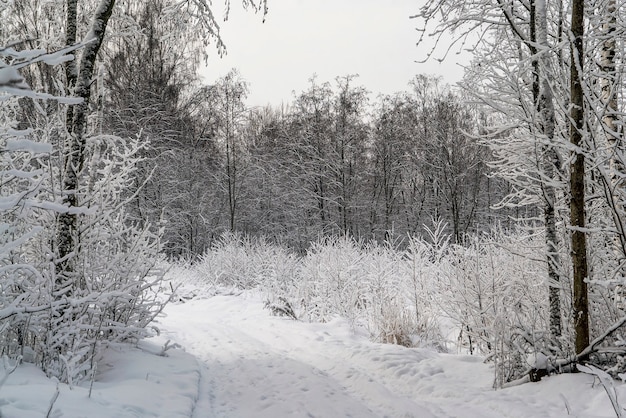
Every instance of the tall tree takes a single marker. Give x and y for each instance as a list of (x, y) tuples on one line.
[(79, 83), (577, 179), (229, 95), (547, 125), (349, 134), (311, 123), (516, 78)]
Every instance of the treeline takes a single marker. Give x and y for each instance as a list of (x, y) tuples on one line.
[(332, 162)]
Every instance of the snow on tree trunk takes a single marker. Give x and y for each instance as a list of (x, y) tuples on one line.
[(609, 88), (545, 108), (68, 239)]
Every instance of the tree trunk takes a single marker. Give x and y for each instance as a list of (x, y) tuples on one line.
[(577, 181), (71, 71), (68, 240), (545, 108), (608, 92)]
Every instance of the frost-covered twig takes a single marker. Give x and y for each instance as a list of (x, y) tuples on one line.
[(166, 347), (567, 406), (283, 308), (54, 399), (94, 370)]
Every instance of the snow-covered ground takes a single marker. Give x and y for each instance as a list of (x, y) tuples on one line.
[(236, 360)]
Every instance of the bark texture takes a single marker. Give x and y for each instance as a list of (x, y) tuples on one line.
[(577, 181), (550, 162), (68, 236)]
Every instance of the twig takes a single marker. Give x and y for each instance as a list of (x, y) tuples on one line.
[(591, 348), (52, 401)]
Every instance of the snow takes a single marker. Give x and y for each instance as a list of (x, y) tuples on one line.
[(226, 356), (131, 382), (537, 361), (10, 77), (24, 92), (28, 146)]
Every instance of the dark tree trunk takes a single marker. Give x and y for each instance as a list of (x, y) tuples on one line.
[(577, 182)]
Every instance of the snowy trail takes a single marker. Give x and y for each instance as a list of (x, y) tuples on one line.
[(266, 383), (257, 365)]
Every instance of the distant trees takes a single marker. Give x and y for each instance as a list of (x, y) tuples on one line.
[(328, 165), (227, 101), (428, 164), (154, 93), (455, 163), (328, 137), (394, 178), (148, 96)]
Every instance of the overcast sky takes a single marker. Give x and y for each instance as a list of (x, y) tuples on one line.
[(372, 38)]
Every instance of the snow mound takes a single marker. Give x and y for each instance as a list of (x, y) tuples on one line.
[(131, 382)]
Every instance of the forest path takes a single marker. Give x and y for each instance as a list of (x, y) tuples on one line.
[(257, 365)]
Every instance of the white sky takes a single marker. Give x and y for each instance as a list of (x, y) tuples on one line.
[(372, 38)]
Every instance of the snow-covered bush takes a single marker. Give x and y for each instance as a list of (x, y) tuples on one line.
[(116, 279), (422, 275), (25, 286), (24, 290), (61, 322), (332, 280), (337, 277), (494, 291), (489, 296), (236, 261)]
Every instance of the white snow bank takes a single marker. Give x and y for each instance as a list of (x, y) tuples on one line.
[(131, 382)]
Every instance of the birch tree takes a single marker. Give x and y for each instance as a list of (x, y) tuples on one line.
[(79, 78)]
